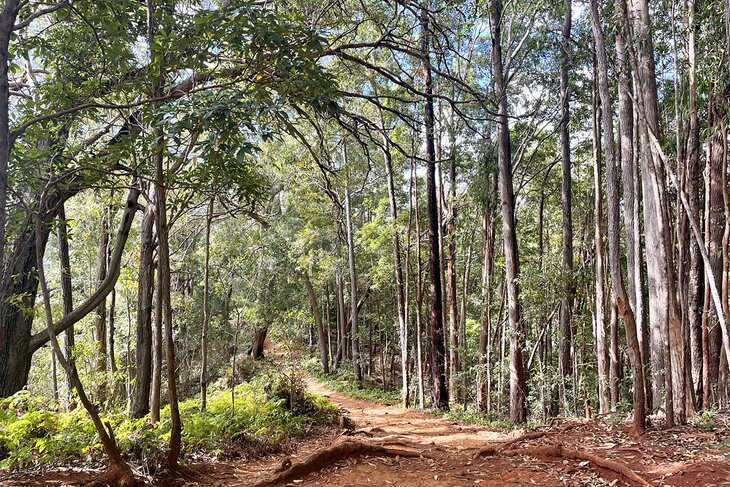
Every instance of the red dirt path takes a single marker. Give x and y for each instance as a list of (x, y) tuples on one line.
[(678, 457)]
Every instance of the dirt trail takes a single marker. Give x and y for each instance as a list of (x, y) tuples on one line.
[(385, 445), (441, 452)]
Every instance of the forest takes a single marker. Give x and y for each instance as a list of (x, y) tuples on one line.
[(338, 242)]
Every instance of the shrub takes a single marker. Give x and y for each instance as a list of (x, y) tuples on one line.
[(266, 411)]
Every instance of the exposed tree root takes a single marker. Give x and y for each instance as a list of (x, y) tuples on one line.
[(493, 450), (559, 451), (119, 476), (342, 450)]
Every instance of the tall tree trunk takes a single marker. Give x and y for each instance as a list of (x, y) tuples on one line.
[(604, 398), (517, 331), (694, 291), (568, 296), (100, 322), (714, 225), (67, 302), (353, 284), (667, 342), (450, 238), (145, 291), (163, 305), (614, 221), (437, 352), (341, 319), (7, 23), (484, 370), (419, 291), (206, 311), (399, 291)]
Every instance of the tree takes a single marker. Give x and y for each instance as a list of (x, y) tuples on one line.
[(437, 352), (518, 380)]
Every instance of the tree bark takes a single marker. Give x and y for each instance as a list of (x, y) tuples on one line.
[(353, 284), (568, 296), (604, 398), (100, 321), (664, 316), (206, 311), (614, 223), (67, 301), (163, 305), (437, 351), (145, 291), (419, 291), (517, 331), (694, 291)]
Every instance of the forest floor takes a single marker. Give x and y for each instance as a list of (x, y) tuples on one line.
[(384, 445)]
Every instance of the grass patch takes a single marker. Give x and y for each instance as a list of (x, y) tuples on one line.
[(267, 410)]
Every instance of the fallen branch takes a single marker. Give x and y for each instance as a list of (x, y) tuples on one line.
[(559, 451), (493, 450), (342, 450)]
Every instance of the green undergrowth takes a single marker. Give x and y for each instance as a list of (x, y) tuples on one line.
[(459, 413), (343, 380), (267, 411)]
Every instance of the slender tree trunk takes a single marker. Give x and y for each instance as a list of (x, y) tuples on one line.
[(67, 302), (399, 292), (206, 311), (437, 352), (419, 292), (353, 284), (614, 367), (450, 238), (100, 321), (714, 221), (117, 386), (517, 331), (694, 291), (614, 223), (341, 319), (314, 307), (145, 291), (484, 375), (163, 305), (568, 296), (604, 398), (119, 471)]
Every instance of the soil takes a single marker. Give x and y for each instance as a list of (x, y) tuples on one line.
[(412, 448)]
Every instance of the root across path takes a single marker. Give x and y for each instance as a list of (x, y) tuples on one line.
[(386, 445)]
